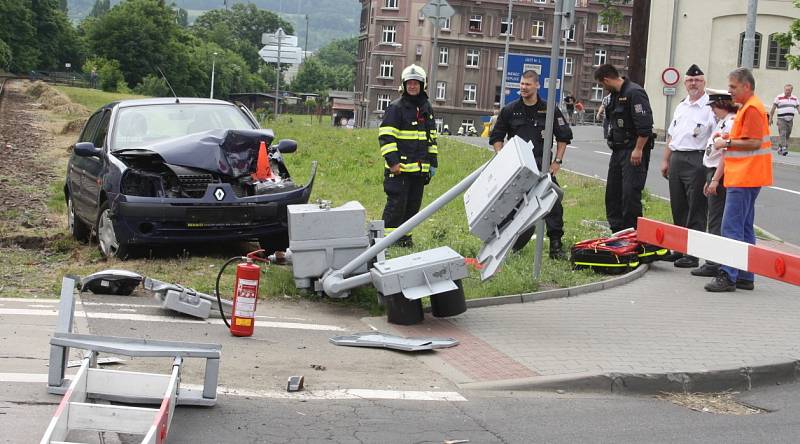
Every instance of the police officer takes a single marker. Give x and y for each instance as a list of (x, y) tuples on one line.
[(630, 138), (525, 117), (407, 138)]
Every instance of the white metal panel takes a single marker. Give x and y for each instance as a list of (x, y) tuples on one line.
[(58, 429), (122, 383), (111, 418), (718, 249)]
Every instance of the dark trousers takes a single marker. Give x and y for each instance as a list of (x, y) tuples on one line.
[(403, 198), (716, 204), (624, 186), (687, 176), (554, 222)]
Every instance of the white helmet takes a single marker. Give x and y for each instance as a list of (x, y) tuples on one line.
[(414, 72)]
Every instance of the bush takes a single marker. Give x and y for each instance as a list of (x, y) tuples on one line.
[(5, 55), (152, 86), (109, 74)]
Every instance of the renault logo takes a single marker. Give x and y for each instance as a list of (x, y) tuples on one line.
[(219, 194)]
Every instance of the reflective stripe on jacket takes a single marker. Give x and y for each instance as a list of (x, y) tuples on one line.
[(408, 136), (749, 168)]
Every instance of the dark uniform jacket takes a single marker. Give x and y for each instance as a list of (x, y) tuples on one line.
[(629, 116), (408, 136), (528, 122)]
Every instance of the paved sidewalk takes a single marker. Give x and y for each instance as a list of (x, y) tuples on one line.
[(659, 332)]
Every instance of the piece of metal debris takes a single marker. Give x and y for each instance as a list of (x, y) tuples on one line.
[(100, 361), (385, 340), (295, 384), (116, 282), (318, 367)]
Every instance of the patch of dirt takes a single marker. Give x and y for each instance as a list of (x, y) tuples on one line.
[(73, 126), (26, 172), (29, 242), (724, 403)]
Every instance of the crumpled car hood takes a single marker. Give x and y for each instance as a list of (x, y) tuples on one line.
[(229, 152)]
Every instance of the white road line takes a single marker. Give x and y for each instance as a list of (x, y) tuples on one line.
[(605, 153), (37, 300), (153, 318), (784, 189), (340, 394)]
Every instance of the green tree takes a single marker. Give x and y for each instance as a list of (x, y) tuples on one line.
[(610, 14), (17, 30), (791, 38), (182, 17), (339, 52), (140, 34), (311, 77), (100, 8), (5, 55), (56, 39)]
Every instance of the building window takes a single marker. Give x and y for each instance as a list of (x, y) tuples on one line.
[(389, 34), (601, 27), (383, 102), (473, 58), (497, 95), (500, 62), (466, 124), (476, 23), (506, 27), (441, 90), (439, 124), (597, 92), (599, 57), (470, 92), (537, 29), (756, 53), (568, 66), (542, 2), (444, 55), (776, 56), (387, 69), (444, 23), (390, 4), (570, 34)]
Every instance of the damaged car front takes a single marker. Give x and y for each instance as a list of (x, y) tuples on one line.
[(191, 170)]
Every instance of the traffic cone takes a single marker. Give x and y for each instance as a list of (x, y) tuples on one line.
[(263, 170)]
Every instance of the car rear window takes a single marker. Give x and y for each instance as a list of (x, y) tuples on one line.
[(138, 125)]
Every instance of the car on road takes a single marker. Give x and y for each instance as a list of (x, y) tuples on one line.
[(179, 170)]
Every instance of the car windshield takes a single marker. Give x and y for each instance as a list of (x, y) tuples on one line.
[(138, 125)]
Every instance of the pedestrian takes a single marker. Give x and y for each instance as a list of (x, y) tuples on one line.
[(579, 110), (446, 129), (93, 78), (724, 110), (569, 104), (601, 114), (787, 106), (407, 138), (525, 117), (747, 168), (692, 125), (630, 138)]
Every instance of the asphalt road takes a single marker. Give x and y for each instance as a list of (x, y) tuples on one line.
[(777, 207)]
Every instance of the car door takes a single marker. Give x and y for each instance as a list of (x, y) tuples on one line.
[(77, 169), (93, 171)]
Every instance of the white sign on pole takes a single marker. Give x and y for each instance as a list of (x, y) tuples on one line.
[(289, 54), (272, 39), (445, 10)]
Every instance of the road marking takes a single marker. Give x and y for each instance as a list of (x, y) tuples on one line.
[(339, 394), (154, 318), (605, 153), (784, 189)]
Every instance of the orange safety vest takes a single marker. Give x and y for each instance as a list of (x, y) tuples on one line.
[(749, 168)]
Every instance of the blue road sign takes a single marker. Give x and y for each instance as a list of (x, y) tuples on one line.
[(519, 63)]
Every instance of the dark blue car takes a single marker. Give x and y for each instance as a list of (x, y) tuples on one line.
[(178, 170)]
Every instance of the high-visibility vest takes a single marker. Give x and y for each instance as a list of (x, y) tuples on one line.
[(749, 168)]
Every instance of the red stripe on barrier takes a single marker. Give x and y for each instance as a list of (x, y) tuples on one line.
[(161, 421), (774, 264), (662, 234), (64, 403)]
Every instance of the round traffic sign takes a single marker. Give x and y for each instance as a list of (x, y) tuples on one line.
[(670, 76)]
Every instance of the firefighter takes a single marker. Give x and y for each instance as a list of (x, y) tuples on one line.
[(407, 138)]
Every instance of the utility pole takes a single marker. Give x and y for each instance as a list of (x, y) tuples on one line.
[(435, 50), (279, 34), (505, 60), (749, 44), (640, 24)]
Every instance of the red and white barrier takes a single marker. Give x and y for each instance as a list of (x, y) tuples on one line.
[(759, 260)]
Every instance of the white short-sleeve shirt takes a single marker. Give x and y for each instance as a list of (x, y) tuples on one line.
[(692, 124)]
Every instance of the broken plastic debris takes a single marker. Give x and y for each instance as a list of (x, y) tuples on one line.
[(384, 340)]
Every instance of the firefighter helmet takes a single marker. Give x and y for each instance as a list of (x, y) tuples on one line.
[(414, 72)]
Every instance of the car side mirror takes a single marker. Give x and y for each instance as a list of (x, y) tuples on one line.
[(286, 146), (87, 149)]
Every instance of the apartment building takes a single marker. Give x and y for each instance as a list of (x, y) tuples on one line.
[(471, 44)]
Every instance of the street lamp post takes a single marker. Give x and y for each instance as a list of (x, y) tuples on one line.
[(369, 75), (213, 66)]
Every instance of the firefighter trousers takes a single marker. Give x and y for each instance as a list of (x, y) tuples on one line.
[(624, 187), (403, 198)]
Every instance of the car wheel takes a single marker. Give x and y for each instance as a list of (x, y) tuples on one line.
[(77, 228), (276, 242), (107, 240)]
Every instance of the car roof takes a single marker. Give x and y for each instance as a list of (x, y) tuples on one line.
[(164, 101)]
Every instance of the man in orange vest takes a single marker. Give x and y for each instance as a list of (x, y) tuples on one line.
[(748, 167)]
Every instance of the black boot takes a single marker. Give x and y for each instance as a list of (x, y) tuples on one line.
[(721, 283), (556, 251)]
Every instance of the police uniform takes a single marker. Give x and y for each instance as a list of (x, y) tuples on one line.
[(528, 122), (407, 137), (629, 117)]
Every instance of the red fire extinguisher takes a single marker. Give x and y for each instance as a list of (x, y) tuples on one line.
[(245, 294)]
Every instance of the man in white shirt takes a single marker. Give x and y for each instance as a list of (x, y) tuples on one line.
[(787, 106), (688, 133)]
